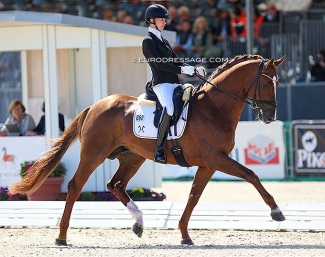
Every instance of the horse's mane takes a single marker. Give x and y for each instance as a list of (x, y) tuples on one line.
[(237, 59)]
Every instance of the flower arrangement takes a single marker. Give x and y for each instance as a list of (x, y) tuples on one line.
[(59, 171), (5, 195)]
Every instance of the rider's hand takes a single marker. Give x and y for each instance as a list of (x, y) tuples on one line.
[(201, 71), (189, 70)]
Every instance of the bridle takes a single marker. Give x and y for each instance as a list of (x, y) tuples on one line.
[(253, 103)]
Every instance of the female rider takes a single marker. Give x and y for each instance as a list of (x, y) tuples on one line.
[(164, 67)]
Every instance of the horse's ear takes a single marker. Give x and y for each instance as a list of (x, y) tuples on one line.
[(269, 63), (278, 62)]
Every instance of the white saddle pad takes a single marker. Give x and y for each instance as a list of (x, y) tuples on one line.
[(143, 126)]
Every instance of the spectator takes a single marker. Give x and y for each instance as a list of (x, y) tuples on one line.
[(128, 20), (238, 23), (18, 117), (221, 30), (258, 19), (203, 40), (184, 39), (317, 70), (227, 4), (108, 15), (207, 5), (173, 21), (270, 25), (40, 128), (135, 9), (272, 14), (183, 15), (121, 14)]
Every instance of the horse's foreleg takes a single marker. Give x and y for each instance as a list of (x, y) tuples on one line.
[(129, 165), (75, 185), (233, 168), (202, 177)]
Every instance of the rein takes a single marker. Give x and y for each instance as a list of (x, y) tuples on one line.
[(254, 104)]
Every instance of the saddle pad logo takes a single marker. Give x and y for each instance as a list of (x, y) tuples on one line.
[(143, 126), (261, 150)]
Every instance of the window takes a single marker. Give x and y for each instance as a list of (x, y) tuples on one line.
[(10, 81)]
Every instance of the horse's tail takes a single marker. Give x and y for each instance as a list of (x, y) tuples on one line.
[(43, 167)]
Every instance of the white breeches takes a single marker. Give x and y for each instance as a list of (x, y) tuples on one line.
[(164, 93)]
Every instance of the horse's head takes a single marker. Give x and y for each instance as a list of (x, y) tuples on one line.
[(263, 91)]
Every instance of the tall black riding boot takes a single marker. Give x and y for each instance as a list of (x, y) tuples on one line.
[(163, 127)]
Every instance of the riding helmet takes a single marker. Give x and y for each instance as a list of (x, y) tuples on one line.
[(156, 11)]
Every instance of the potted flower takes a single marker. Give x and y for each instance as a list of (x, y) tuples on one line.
[(51, 187)]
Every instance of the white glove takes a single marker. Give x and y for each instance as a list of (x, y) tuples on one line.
[(189, 70), (201, 71)]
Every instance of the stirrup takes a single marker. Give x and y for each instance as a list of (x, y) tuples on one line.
[(160, 156)]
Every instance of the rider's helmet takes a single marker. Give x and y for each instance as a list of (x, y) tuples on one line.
[(156, 11)]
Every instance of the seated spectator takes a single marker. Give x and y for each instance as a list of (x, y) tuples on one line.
[(272, 13), (238, 23), (270, 25), (183, 15), (135, 9), (221, 30), (184, 39), (207, 5), (40, 128), (128, 20), (18, 117), (227, 4), (121, 14), (317, 70), (203, 46), (258, 20), (173, 21), (108, 15)]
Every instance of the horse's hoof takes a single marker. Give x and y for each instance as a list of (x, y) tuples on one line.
[(137, 229), (59, 241), (187, 241), (277, 215)]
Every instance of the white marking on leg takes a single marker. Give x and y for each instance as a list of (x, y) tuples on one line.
[(277, 210), (135, 212)]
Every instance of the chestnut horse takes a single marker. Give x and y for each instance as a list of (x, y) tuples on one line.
[(105, 131)]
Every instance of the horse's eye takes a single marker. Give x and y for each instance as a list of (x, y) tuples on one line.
[(266, 85)]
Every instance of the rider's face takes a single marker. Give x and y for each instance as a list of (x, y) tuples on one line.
[(160, 23)]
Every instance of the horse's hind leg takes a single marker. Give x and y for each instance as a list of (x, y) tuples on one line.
[(231, 167), (129, 165), (202, 177), (75, 185)]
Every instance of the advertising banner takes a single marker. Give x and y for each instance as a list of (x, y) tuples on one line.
[(309, 149)]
